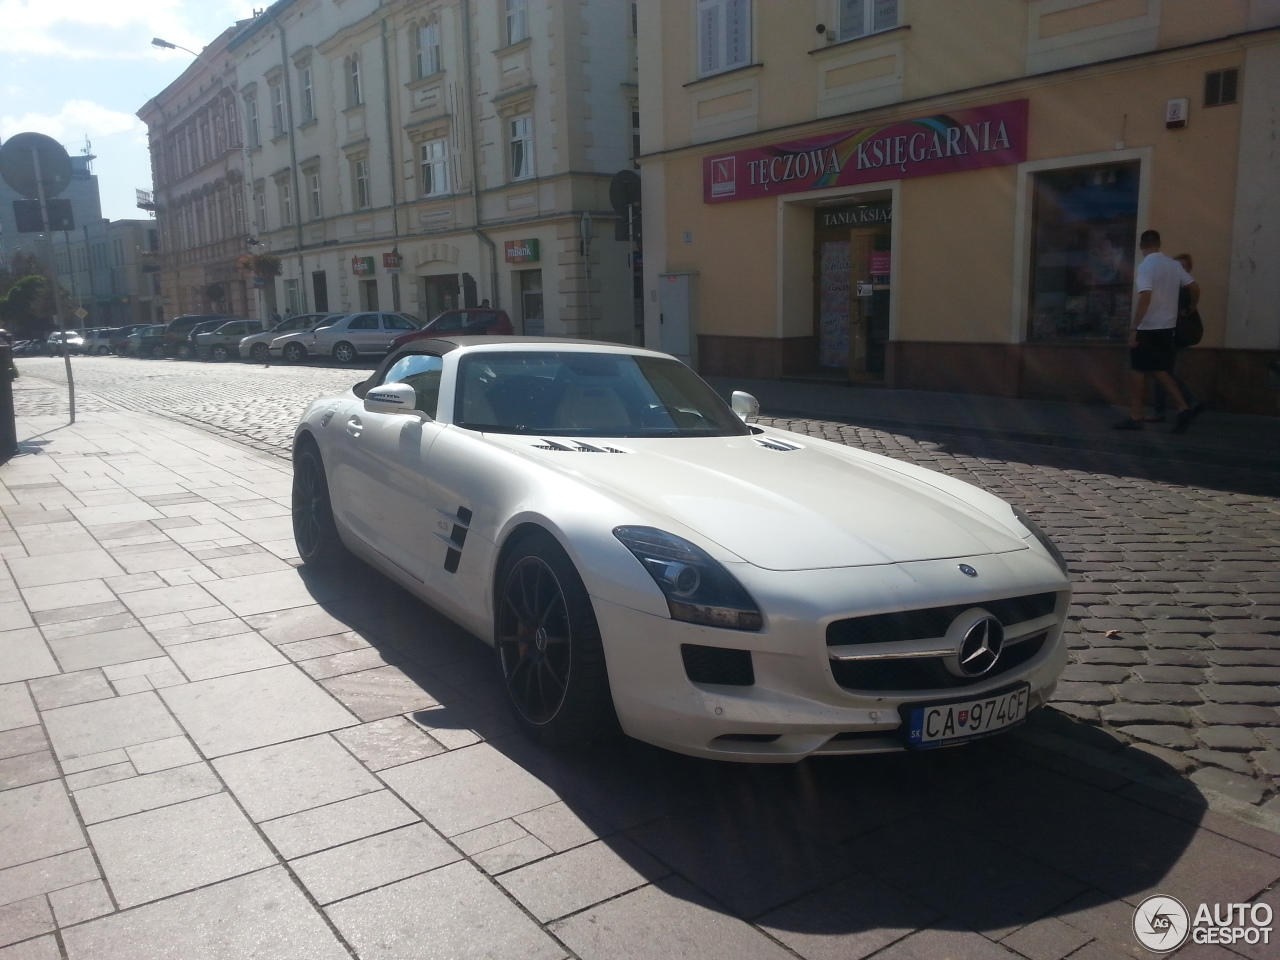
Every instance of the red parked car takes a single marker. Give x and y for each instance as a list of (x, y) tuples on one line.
[(471, 321)]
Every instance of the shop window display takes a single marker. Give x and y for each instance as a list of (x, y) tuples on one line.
[(1083, 253)]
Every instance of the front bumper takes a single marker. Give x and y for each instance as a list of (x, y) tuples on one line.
[(796, 708)]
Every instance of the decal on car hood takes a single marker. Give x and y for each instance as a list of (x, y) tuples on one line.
[(794, 509)]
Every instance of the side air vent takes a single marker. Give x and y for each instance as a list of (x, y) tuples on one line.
[(721, 665), (577, 446), (773, 443)]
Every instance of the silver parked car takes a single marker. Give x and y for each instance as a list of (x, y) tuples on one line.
[(254, 347), (224, 341), (352, 336)]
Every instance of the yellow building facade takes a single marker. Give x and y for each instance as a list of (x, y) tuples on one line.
[(948, 196)]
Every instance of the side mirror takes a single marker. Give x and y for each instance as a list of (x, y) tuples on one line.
[(392, 398), (744, 405)]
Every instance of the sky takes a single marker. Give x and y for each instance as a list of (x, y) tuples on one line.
[(77, 69)]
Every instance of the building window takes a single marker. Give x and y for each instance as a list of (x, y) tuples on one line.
[(260, 205), (285, 191), (427, 52), (434, 160), (355, 87), (517, 20), (314, 206), (307, 90), (277, 109), (635, 138), (1084, 234), (520, 138), (1220, 86), (293, 296), (251, 121), (360, 184), (724, 35), (861, 17)]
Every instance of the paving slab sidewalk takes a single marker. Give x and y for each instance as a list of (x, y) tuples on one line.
[(207, 751)]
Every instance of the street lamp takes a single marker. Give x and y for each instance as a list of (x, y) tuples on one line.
[(166, 45)]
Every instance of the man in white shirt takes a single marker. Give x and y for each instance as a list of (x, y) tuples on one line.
[(1151, 336)]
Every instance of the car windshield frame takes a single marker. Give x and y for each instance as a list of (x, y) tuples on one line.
[(556, 390)]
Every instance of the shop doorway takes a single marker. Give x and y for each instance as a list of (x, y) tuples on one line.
[(439, 293), (368, 294), (533, 321), (854, 271)]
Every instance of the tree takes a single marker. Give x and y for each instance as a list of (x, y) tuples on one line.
[(27, 307)]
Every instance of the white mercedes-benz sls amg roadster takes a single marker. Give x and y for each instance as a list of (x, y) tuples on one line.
[(641, 555)]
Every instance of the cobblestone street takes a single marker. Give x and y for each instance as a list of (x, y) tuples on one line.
[(1175, 631)]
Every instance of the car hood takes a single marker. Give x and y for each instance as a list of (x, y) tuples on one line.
[(783, 509)]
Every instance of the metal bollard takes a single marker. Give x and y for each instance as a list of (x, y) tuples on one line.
[(8, 424)]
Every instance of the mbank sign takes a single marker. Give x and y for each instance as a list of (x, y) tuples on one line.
[(989, 136), (521, 251)]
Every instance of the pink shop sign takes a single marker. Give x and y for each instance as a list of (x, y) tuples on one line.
[(990, 136)]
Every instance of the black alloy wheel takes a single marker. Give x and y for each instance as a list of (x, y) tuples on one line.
[(218, 352), (549, 647), (184, 351), (295, 352), (157, 352), (344, 352), (314, 530), (260, 352)]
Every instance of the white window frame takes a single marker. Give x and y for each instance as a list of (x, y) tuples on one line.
[(433, 167), (277, 109), (315, 199), (361, 192), (427, 52), (251, 121), (861, 18), (355, 86), (520, 155), (724, 35), (517, 21), (285, 191), (306, 88)]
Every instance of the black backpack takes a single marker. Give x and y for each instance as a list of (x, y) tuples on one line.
[(1189, 329)]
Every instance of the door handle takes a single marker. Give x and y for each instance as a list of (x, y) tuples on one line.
[(354, 426)]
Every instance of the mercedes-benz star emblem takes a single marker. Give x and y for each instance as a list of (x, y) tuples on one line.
[(980, 648), (967, 570)]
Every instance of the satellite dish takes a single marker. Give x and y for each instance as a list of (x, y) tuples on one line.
[(624, 191), (18, 157)]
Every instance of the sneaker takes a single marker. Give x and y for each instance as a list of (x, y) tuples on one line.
[(1127, 424), (1184, 418)]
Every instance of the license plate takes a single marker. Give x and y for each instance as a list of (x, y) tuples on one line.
[(943, 724)]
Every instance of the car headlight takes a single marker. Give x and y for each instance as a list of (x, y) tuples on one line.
[(698, 589), (1042, 537)]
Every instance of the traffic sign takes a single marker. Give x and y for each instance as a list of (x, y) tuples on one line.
[(18, 163), (81, 313)]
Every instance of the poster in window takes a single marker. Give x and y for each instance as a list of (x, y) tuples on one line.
[(833, 304)]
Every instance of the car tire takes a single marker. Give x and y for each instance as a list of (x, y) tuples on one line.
[(183, 351), (218, 353), (294, 352), (260, 353), (103, 351), (549, 652), (314, 531), (344, 352)]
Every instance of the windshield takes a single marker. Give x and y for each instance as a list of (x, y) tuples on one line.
[(571, 394)]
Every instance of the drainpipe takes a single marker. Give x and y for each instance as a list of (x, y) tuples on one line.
[(293, 162), (391, 159), (475, 162)]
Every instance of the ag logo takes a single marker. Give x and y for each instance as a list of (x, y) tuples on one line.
[(1161, 924)]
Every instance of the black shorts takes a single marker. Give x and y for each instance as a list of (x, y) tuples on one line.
[(1155, 351)]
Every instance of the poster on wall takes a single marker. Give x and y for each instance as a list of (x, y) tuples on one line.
[(833, 304)]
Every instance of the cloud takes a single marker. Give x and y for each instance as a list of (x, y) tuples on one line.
[(76, 120), (92, 29)]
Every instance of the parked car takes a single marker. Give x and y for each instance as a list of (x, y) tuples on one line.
[(477, 321), (72, 339), (349, 337), (120, 338), (145, 342), (177, 333), (223, 341), (257, 346), (635, 550), (98, 340), (187, 348)]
